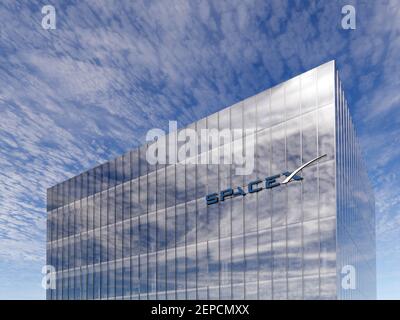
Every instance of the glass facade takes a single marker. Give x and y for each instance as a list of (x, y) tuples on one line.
[(128, 229), (356, 244)]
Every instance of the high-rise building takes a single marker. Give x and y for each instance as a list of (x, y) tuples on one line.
[(192, 229)]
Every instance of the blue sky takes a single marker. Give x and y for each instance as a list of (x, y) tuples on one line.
[(88, 91)]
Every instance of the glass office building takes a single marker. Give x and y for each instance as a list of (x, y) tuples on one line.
[(129, 229)]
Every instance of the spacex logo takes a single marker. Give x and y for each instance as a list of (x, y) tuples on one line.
[(258, 185), (293, 174)]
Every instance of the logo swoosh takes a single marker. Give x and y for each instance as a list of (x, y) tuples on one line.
[(287, 180)]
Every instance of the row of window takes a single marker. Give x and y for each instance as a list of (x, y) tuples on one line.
[(227, 261), (97, 285), (307, 241), (110, 209)]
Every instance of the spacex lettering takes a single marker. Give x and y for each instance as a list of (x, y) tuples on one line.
[(258, 185)]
